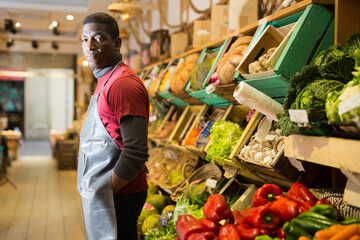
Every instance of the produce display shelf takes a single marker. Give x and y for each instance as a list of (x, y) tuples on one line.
[(300, 6), (328, 151)]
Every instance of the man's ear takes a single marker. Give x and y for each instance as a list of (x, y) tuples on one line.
[(118, 43)]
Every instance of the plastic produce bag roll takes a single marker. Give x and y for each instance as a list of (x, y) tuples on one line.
[(254, 99)]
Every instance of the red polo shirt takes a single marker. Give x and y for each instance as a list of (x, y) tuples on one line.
[(124, 94)]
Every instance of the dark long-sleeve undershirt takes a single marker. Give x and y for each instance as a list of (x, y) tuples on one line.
[(135, 149)]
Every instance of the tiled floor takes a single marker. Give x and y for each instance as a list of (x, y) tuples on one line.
[(45, 204)]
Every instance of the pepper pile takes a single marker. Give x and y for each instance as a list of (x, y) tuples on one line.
[(272, 216)]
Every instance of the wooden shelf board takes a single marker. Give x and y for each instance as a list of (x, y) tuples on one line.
[(247, 29), (328, 151)]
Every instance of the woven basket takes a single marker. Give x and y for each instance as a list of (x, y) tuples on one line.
[(208, 170), (168, 160)]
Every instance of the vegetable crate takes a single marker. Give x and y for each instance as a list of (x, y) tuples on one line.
[(211, 98), (311, 32), (210, 115), (276, 166), (237, 114), (65, 154), (189, 116)]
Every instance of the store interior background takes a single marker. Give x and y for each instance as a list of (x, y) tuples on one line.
[(55, 85)]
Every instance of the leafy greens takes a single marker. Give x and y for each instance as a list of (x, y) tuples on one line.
[(224, 136)]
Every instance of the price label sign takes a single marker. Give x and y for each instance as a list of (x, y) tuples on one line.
[(270, 137), (298, 115), (349, 104), (211, 183)]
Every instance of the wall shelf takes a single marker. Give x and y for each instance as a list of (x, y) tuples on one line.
[(328, 151), (246, 30)]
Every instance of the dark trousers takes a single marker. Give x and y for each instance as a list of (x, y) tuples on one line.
[(128, 208)]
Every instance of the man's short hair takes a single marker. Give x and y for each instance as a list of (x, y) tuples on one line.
[(106, 19)]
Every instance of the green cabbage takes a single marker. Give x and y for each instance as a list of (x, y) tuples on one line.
[(352, 44), (313, 98), (350, 89)]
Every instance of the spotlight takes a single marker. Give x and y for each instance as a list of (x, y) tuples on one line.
[(9, 26), (10, 42), (54, 26), (54, 45), (35, 44)]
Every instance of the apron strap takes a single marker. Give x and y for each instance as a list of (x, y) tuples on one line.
[(118, 64)]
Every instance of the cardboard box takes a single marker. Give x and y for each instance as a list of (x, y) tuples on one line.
[(219, 21), (178, 43), (242, 13), (159, 45), (201, 34)]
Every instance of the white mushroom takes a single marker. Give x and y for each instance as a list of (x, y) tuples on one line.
[(258, 157), (244, 150), (268, 159)]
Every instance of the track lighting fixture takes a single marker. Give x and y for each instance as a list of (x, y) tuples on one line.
[(35, 44), (10, 42), (54, 45), (9, 26)]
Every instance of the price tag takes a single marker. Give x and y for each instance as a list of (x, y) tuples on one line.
[(270, 137), (298, 115), (264, 128), (297, 164), (202, 32), (210, 88), (211, 183), (349, 104)]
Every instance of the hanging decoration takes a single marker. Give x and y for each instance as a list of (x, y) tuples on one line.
[(126, 8)]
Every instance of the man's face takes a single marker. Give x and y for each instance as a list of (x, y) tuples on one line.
[(98, 46)]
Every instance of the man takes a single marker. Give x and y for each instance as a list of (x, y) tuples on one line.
[(113, 139)]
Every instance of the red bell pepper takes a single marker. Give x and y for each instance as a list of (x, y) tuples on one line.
[(237, 218), (247, 232), (280, 233), (305, 206), (229, 232), (177, 238), (203, 236), (299, 193), (210, 225), (265, 194), (287, 209), (262, 217), (187, 225), (216, 208)]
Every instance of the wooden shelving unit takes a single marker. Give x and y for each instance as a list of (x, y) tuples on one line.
[(328, 151), (332, 152), (247, 29)]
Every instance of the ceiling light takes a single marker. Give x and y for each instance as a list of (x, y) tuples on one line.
[(17, 25), (70, 17), (9, 42), (35, 44), (124, 17), (51, 27), (54, 23), (9, 26), (85, 63), (125, 6)]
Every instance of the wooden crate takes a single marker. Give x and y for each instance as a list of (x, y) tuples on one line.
[(66, 154), (186, 121)]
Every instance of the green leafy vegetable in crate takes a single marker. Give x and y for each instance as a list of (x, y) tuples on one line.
[(224, 136), (335, 98), (167, 233), (313, 98), (199, 73)]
